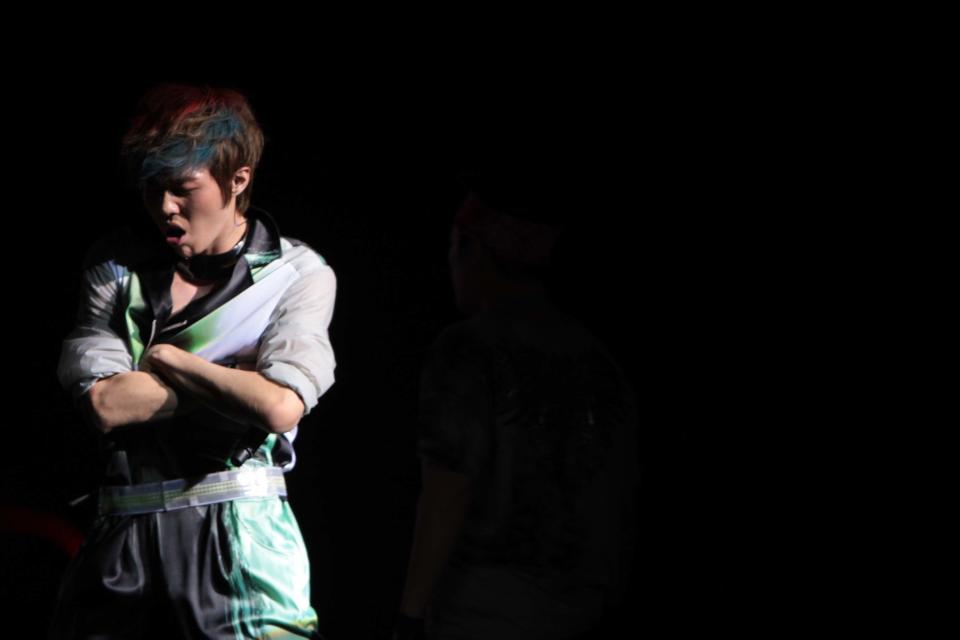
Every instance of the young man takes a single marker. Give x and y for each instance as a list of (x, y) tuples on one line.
[(198, 349), (528, 442)]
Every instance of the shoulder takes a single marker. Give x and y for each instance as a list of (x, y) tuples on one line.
[(104, 249), (315, 280), (115, 253), (125, 246), (304, 258)]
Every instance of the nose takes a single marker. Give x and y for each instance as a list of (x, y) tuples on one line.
[(170, 203)]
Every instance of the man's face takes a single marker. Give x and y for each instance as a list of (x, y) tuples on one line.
[(189, 212)]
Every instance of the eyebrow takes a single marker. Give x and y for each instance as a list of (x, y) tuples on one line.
[(170, 182), (181, 180)]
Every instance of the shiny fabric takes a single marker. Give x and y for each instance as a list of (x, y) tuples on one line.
[(236, 569), (273, 311), (213, 267)]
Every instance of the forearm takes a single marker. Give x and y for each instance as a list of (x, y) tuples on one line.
[(441, 510), (241, 395), (133, 397)]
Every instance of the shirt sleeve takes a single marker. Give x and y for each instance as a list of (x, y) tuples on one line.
[(295, 349), (94, 349), (455, 408)]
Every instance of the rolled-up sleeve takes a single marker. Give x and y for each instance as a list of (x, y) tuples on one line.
[(295, 349), (94, 349)]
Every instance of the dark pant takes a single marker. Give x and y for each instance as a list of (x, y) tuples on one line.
[(229, 570)]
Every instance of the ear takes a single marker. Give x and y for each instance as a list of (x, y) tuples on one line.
[(240, 180)]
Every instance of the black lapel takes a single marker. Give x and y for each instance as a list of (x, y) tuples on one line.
[(156, 276)]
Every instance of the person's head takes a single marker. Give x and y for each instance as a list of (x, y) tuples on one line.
[(501, 243), (192, 153)]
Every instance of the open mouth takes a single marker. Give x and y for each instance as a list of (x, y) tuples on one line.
[(173, 235)]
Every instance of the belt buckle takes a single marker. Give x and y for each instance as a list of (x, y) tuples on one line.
[(253, 483)]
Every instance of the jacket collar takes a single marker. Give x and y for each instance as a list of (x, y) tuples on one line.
[(157, 264)]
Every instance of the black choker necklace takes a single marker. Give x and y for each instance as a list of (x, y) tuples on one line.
[(209, 268)]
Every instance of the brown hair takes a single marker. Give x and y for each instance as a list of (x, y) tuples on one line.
[(177, 128)]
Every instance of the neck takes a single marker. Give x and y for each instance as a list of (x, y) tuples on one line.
[(217, 264), (234, 234)]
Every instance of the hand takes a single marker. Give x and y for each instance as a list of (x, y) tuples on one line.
[(156, 361), (157, 357)]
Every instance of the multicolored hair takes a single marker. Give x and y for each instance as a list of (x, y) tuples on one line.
[(179, 128)]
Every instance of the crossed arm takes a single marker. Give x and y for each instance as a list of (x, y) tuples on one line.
[(295, 361), (172, 381)]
